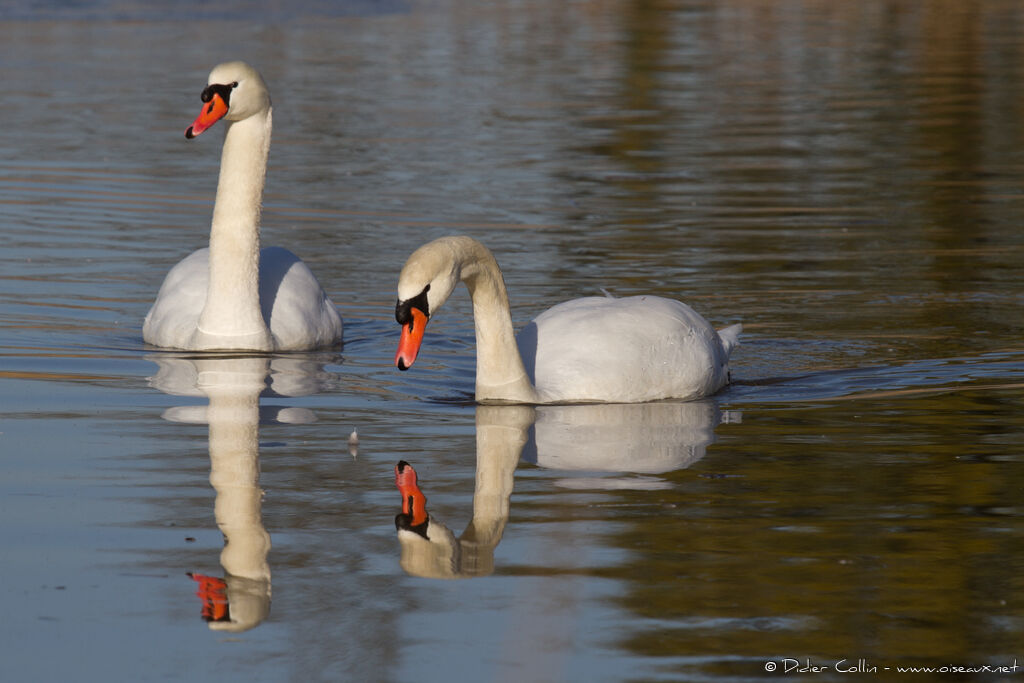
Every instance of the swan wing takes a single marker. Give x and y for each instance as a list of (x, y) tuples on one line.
[(174, 316), (628, 350), (298, 312)]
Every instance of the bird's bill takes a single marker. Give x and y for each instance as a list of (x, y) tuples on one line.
[(212, 112), (414, 503), (412, 337)]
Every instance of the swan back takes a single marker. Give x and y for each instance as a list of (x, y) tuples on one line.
[(297, 310), (629, 350), (174, 316)]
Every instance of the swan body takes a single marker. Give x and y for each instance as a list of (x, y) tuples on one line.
[(233, 295), (595, 349)]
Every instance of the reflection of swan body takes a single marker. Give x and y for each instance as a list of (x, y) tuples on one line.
[(233, 296), (233, 385), (293, 375), (596, 349), (606, 438), (644, 438), (429, 548), (234, 388)]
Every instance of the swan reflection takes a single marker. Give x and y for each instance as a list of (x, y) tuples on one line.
[(635, 438), (429, 548), (233, 385), (602, 440)]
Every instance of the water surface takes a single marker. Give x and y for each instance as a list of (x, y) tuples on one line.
[(844, 178)]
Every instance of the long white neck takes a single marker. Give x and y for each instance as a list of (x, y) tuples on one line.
[(500, 373), (232, 313)]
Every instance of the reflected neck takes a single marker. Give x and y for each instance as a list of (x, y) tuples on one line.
[(233, 416), (501, 433)]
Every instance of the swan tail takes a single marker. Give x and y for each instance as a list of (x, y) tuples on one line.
[(730, 337)]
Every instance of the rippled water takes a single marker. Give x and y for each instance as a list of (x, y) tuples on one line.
[(846, 179)]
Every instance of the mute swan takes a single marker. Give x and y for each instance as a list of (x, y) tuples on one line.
[(233, 296), (595, 349)]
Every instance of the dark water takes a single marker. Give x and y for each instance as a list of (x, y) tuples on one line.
[(846, 179)]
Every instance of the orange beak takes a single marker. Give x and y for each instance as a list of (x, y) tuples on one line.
[(212, 112), (213, 592), (414, 503), (412, 337)]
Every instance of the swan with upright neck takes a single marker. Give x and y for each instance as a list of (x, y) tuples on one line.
[(233, 295), (594, 349)]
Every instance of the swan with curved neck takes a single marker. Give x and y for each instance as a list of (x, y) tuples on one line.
[(594, 349), (233, 295), (429, 548)]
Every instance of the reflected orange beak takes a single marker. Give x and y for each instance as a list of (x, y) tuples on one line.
[(212, 112), (414, 503), (213, 592), (412, 337)]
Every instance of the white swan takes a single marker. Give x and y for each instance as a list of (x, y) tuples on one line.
[(233, 296), (595, 349)]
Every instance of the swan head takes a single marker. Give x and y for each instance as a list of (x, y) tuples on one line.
[(234, 91), (429, 548), (234, 603), (427, 280), (413, 517)]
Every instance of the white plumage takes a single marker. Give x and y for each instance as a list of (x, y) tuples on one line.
[(629, 350), (233, 295), (595, 349)]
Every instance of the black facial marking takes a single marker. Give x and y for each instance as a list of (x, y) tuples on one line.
[(404, 521), (402, 312), (226, 617), (218, 89)]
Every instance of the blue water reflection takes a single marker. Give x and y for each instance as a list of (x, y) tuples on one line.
[(233, 386), (598, 446), (845, 178)]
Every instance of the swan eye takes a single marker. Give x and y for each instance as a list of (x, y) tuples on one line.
[(235, 84), (217, 89), (402, 314)]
